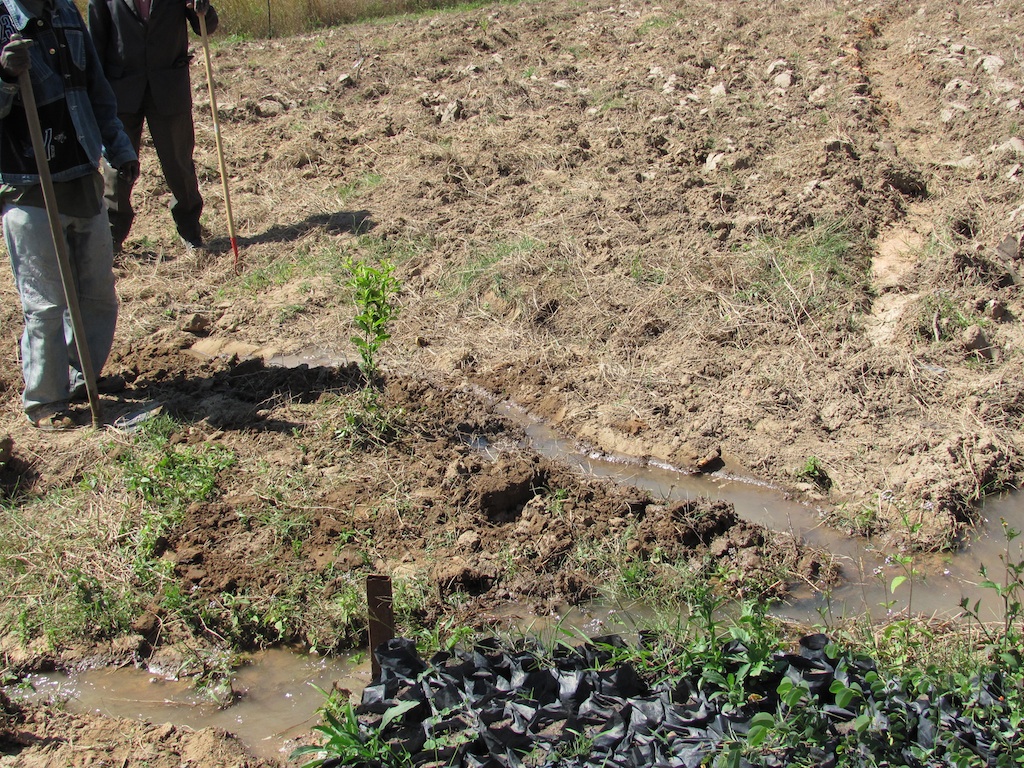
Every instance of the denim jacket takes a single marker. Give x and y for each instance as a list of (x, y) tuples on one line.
[(80, 80)]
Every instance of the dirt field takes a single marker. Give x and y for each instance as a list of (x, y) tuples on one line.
[(786, 237)]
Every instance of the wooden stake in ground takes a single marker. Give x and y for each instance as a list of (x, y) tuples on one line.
[(381, 614), (216, 135), (28, 98)]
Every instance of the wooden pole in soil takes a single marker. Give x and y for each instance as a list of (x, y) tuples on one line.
[(380, 607), (217, 139), (28, 98)]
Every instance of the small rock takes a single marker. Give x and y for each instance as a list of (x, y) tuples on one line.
[(269, 108), (1003, 85), (990, 64), (820, 94), (710, 462), (968, 162), (783, 80), (147, 624), (713, 160), (975, 340), (470, 540), (1015, 146), (949, 113), (198, 325), (452, 112), (996, 309), (1011, 247)]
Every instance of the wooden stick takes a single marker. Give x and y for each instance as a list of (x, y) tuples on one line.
[(216, 134), (380, 609)]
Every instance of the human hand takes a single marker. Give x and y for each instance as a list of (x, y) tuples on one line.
[(14, 59), (200, 6), (129, 171)]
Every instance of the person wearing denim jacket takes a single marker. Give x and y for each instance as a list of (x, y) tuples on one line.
[(78, 115)]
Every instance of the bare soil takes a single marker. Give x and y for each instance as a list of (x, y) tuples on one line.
[(590, 206)]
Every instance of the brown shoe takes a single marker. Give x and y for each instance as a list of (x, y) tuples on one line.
[(51, 418)]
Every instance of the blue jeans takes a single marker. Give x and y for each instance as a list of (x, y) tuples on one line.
[(49, 356)]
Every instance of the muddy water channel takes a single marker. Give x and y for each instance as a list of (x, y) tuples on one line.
[(276, 695), (939, 581)]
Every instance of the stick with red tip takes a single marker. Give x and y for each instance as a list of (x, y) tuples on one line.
[(216, 134)]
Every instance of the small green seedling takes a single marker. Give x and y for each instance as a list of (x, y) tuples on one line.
[(351, 744), (374, 287)]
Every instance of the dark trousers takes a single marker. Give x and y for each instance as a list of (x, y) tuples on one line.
[(174, 140)]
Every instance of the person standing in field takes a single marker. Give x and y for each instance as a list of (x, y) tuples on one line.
[(143, 45), (77, 113)]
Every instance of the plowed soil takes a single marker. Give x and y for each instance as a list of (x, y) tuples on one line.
[(622, 217)]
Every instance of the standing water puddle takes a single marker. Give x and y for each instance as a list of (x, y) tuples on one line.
[(940, 580), (278, 700)]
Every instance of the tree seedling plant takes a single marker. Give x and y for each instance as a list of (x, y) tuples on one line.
[(375, 289)]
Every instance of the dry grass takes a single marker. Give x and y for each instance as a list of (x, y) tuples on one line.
[(272, 18), (65, 561)]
